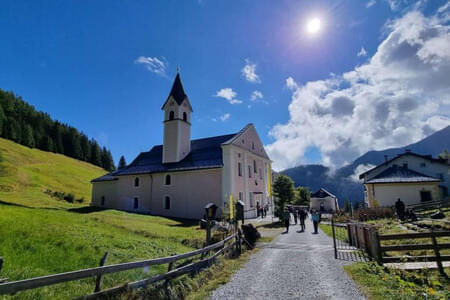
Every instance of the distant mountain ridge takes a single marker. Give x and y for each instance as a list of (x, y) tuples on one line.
[(341, 183)]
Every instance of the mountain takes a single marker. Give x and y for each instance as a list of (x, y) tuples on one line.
[(342, 182)]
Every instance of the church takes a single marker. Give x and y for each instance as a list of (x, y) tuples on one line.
[(179, 177)]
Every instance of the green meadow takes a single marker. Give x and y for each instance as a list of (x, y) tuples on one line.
[(41, 235)]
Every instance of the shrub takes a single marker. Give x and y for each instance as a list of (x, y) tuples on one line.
[(69, 197)]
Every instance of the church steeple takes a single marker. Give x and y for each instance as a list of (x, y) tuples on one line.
[(177, 127)]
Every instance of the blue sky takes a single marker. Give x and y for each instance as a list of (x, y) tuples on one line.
[(106, 67)]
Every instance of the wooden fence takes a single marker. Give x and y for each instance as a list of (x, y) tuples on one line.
[(367, 238), (21, 285)]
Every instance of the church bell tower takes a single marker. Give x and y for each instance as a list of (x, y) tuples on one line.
[(177, 124)]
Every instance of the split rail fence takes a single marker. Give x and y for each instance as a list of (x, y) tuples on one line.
[(366, 238), (205, 261)]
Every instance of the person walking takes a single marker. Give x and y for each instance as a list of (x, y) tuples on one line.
[(286, 217), (316, 219), (302, 215), (295, 216), (400, 209)]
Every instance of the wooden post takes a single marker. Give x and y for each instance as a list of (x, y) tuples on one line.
[(166, 282), (208, 231), (98, 282), (334, 237), (437, 254), (376, 247)]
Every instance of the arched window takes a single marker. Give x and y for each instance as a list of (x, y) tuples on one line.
[(171, 115), (136, 203), (167, 202), (168, 180), (136, 181), (254, 166), (103, 200), (185, 116)]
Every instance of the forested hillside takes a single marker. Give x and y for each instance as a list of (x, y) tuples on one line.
[(23, 124)]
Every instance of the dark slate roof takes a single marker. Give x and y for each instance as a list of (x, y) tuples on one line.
[(106, 177), (322, 193), (205, 154), (426, 157), (396, 174)]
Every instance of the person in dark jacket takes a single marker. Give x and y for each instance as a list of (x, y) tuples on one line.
[(400, 209), (315, 216), (302, 215), (286, 218)]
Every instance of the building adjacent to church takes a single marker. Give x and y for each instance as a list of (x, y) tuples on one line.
[(179, 177), (412, 177)]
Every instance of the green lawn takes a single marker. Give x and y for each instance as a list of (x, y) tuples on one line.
[(40, 235)]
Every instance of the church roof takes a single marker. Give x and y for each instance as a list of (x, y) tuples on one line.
[(205, 153), (396, 174), (322, 193)]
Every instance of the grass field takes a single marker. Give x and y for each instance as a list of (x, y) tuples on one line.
[(41, 235)]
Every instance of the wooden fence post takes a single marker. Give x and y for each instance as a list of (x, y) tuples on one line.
[(166, 283), (437, 254), (334, 237), (375, 246), (98, 282)]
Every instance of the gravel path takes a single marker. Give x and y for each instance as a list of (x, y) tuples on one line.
[(294, 266)]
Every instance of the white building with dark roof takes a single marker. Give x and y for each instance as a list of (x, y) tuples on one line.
[(412, 177), (324, 201), (179, 177)]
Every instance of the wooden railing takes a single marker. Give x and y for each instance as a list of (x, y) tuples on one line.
[(433, 235), (21, 285)]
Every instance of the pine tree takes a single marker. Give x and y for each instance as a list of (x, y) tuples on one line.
[(107, 160), (27, 136), (122, 163), (85, 148), (96, 154), (2, 120)]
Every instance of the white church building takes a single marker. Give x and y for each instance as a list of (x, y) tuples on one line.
[(179, 177)]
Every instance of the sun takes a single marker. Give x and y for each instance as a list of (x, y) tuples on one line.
[(313, 26)]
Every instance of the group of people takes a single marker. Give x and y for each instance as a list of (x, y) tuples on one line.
[(402, 213), (301, 215), (261, 210)]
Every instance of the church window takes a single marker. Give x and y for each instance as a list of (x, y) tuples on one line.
[(166, 202), (103, 200), (136, 203), (250, 194), (239, 169), (185, 116), (256, 182), (260, 174), (136, 181), (240, 196), (168, 180), (249, 171), (171, 115), (253, 145), (254, 166)]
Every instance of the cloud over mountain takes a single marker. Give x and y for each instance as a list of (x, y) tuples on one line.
[(400, 95)]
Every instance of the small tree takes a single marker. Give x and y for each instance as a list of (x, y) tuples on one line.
[(302, 196), (283, 190), (347, 206), (122, 163)]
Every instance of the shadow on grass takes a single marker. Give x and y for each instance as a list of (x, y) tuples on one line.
[(13, 204), (86, 209), (271, 225)]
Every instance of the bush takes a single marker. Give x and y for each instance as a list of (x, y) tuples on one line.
[(69, 197)]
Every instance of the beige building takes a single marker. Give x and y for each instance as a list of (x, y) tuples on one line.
[(409, 176), (324, 201), (179, 177)]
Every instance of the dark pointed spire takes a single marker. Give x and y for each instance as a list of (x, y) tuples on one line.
[(177, 91)]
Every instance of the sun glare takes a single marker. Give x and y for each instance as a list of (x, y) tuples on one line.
[(313, 26)]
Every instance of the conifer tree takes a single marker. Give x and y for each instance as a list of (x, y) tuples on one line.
[(2, 120), (122, 163), (27, 136), (95, 154)]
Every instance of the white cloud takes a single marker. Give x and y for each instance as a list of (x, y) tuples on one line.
[(362, 52), (224, 117), (359, 170), (370, 3), (399, 96), (153, 64), (256, 95), (249, 72), (229, 95), (291, 84)]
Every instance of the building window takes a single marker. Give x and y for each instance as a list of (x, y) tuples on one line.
[(249, 171), (168, 180), (136, 203), (405, 165), (250, 195), (256, 182), (184, 116), (240, 196), (425, 196), (103, 200), (423, 165), (167, 202), (239, 169), (243, 142), (260, 174), (136, 181), (253, 145), (254, 166), (171, 115)]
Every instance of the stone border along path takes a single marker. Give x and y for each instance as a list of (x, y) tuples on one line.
[(294, 266)]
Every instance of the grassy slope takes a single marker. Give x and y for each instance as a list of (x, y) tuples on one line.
[(26, 173), (40, 235)]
